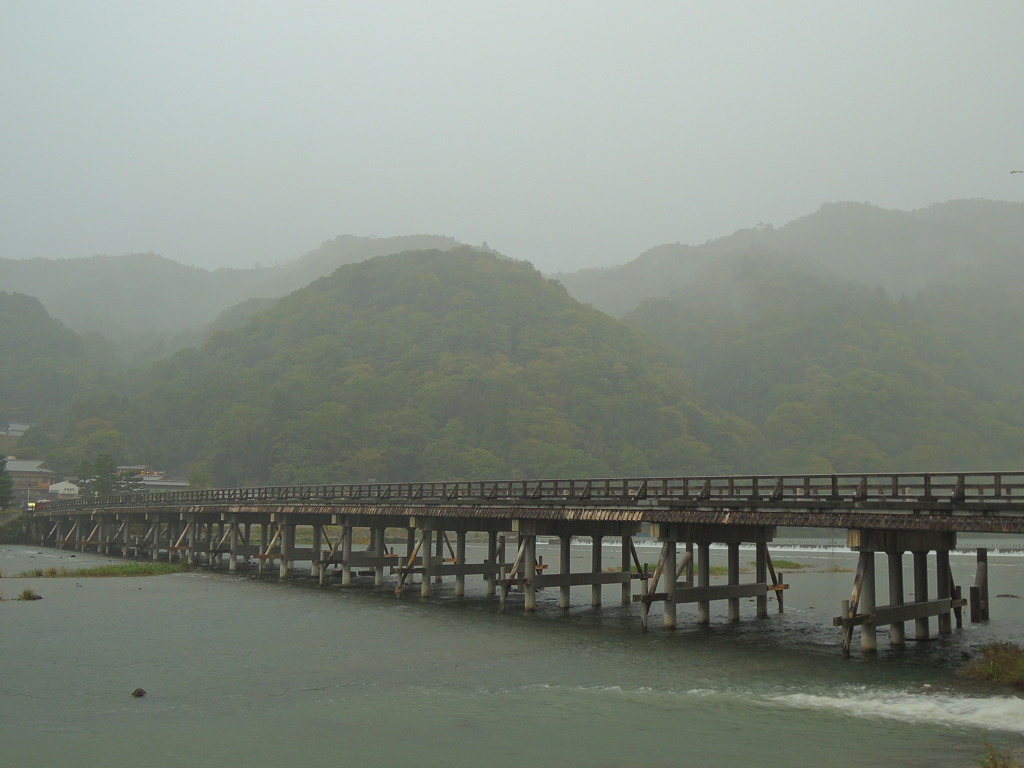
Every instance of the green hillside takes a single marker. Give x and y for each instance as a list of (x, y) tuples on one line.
[(428, 365), (902, 251), (151, 306), (43, 364), (841, 377)]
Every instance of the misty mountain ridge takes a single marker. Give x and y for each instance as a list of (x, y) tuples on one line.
[(147, 299), (150, 306), (460, 364), (900, 251)]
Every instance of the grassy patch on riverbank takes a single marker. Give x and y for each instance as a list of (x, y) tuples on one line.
[(993, 758), (788, 565), (1001, 663), (106, 571)]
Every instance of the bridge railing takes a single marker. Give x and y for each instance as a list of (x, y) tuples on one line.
[(909, 488)]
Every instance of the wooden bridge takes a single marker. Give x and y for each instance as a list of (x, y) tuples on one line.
[(892, 514)]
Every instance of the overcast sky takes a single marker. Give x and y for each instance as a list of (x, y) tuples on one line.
[(571, 134)]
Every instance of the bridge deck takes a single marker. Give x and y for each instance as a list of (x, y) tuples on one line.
[(990, 502)]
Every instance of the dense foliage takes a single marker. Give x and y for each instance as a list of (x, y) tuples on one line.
[(44, 365), (426, 365), (463, 364), (841, 377)]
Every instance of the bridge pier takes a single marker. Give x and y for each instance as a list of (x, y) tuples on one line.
[(703, 535), (897, 636), (233, 545), (979, 592), (861, 609), (884, 513), (531, 575)]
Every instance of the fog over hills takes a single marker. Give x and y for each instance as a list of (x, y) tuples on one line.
[(132, 296), (147, 296), (902, 251)]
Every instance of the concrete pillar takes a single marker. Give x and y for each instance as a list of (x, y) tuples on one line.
[(501, 558), (316, 554), (564, 567), (287, 537), (979, 591), (703, 580), (438, 552), (761, 574), (102, 547), (921, 592), (427, 562), (410, 546), (380, 549), (530, 572), (868, 631), (192, 543), (595, 567), (688, 573), (460, 563), (492, 558), (734, 579), (897, 636), (627, 567), (942, 588), (669, 574), (233, 546), (155, 545), (346, 554)]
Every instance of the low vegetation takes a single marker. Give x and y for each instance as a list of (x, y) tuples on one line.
[(29, 594), (103, 571), (788, 565), (994, 758), (1001, 663)]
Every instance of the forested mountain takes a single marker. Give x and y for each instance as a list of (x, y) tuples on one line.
[(899, 250), (427, 365), (43, 364), (842, 377), (773, 351), (153, 304)]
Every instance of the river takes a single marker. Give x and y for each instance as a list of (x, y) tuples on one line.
[(246, 671)]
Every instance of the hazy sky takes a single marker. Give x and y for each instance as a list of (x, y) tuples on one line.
[(228, 133)]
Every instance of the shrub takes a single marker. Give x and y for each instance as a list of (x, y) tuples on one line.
[(996, 759), (1000, 662)]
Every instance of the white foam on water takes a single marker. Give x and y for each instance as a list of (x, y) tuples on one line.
[(998, 713), (995, 713)]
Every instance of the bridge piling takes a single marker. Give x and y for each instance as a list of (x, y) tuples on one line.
[(891, 513), (233, 545), (897, 637), (979, 592), (529, 572), (868, 631), (942, 589), (863, 611), (704, 582), (564, 568), (734, 579), (921, 630), (669, 571), (761, 575)]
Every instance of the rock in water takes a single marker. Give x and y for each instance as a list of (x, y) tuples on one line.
[(138, 693)]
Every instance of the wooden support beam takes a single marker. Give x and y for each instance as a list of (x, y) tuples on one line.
[(889, 614)]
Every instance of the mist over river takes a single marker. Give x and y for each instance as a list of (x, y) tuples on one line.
[(244, 671)]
